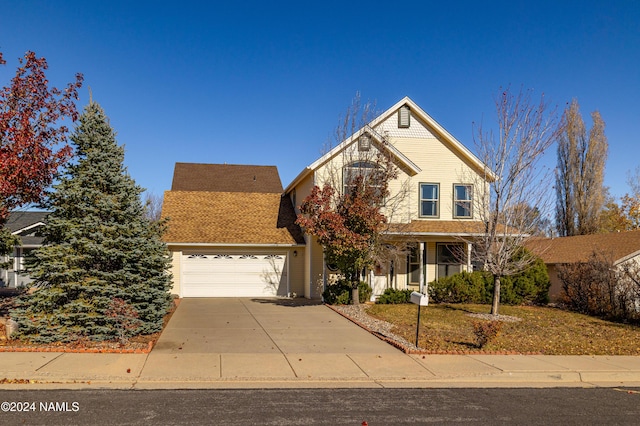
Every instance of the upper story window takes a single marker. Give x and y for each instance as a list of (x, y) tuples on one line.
[(429, 196), (462, 199), (353, 171)]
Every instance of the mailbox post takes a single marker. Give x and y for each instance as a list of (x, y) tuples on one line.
[(420, 300)]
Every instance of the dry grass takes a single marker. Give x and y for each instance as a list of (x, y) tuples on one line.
[(543, 330)]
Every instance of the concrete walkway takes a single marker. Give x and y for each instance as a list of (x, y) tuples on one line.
[(278, 343)]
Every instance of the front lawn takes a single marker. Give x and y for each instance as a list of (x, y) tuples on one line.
[(545, 330)]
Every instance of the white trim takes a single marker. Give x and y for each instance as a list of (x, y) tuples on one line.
[(26, 228), (626, 258)]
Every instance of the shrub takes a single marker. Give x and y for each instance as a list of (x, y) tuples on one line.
[(364, 292), (391, 296), (340, 293), (529, 286), (598, 288), (337, 294), (486, 331), (465, 287)]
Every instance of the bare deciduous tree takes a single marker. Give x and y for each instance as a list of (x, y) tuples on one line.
[(512, 156), (153, 206), (580, 190)]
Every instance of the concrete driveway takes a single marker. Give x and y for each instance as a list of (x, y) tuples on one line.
[(252, 339), (279, 326)]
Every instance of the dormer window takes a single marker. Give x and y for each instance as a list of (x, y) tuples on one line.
[(404, 117)]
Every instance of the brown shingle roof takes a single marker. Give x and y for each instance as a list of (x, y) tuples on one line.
[(230, 218), (617, 245), (226, 178)]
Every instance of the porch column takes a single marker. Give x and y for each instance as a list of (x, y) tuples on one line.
[(421, 249), (469, 248)]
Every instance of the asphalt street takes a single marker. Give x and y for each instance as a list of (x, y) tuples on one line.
[(524, 406)]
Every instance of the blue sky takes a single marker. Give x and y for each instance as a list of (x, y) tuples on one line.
[(265, 82)]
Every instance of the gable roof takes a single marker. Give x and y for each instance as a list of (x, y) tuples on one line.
[(243, 218), (226, 178), (419, 113), (24, 223), (620, 246)]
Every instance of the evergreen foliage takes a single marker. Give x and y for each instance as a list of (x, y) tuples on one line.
[(391, 296), (528, 286), (339, 293), (100, 255)]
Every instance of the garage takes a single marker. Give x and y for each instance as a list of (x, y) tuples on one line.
[(249, 274)]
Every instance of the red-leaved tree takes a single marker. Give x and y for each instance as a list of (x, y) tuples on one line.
[(349, 222), (32, 142)]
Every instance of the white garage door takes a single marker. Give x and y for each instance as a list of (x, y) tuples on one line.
[(233, 275)]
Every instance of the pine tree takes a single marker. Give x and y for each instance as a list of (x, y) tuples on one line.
[(102, 272)]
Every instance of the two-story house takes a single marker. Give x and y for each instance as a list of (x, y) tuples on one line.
[(433, 213), (433, 201)]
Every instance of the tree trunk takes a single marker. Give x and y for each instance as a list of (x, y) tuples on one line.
[(355, 296), (496, 295)]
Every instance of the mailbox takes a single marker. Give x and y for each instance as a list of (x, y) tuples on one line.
[(419, 299)]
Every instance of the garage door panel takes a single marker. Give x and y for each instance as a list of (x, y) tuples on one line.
[(234, 275)]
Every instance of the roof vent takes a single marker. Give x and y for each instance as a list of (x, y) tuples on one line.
[(404, 117), (364, 142)]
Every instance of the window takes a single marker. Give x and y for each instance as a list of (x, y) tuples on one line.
[(364, 169), (462, 196), (429, 199), (449, 259), (414, 266)]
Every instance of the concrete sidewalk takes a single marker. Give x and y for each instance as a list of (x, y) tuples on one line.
[(272, 344), (127, 371)]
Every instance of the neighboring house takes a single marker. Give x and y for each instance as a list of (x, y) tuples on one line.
[(221, 214), (26, 226), (617, 247)]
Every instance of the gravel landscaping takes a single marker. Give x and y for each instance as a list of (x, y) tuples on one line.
[(358, 314)]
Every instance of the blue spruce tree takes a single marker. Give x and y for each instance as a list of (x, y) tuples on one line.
[(102, 272)]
